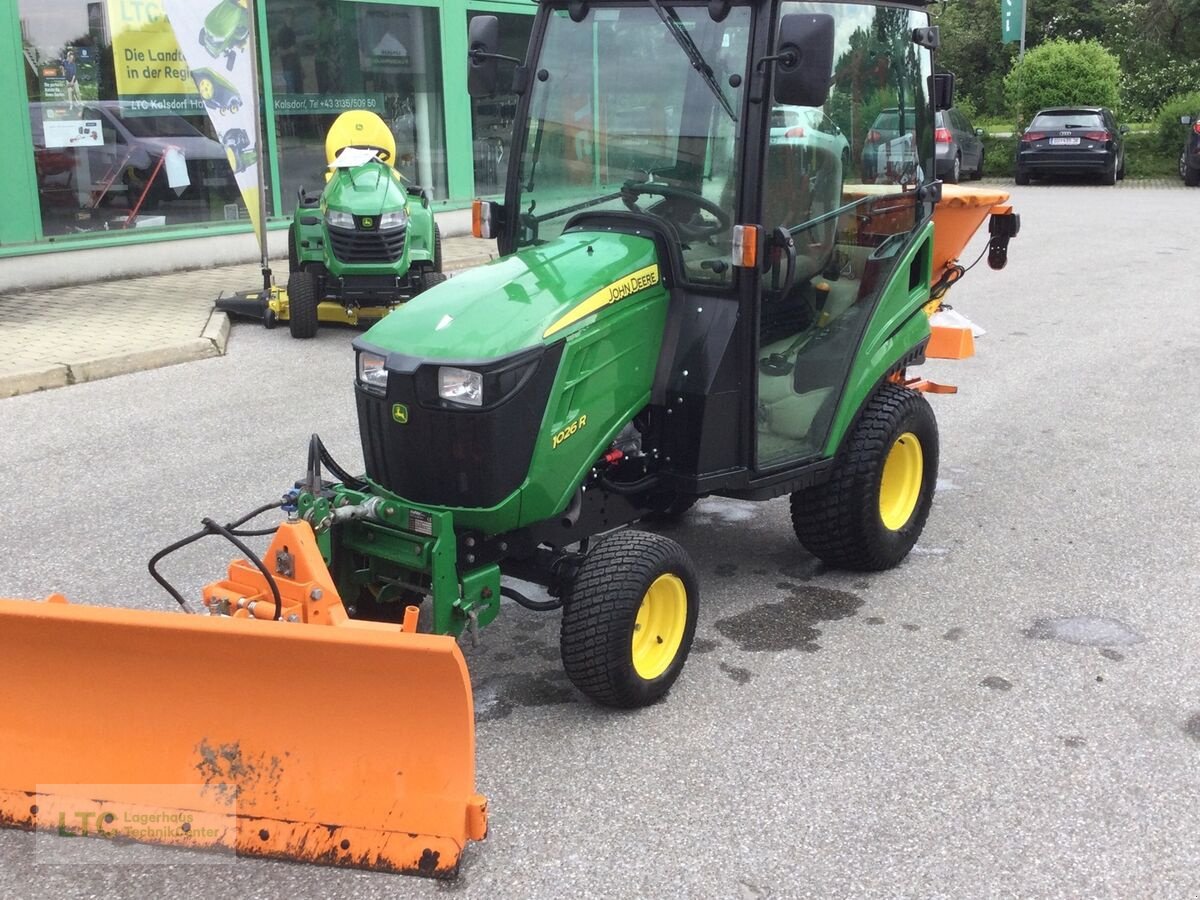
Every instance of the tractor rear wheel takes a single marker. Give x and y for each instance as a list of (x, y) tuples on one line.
[(629, 617), (870, 513), (302, 304)]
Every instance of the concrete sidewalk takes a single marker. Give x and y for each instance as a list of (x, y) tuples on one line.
[(68, 335)]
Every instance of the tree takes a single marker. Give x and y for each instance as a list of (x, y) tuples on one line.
[(1063, 73)]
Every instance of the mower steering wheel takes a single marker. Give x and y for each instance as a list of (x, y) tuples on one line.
[(688, 232)]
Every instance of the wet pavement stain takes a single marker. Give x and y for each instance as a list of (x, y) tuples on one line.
[(954, 634), (504, 657), (996, 683), (789, 624), (550, 654), (1084, 631), (909, 626), (704, 645), (496, 698), (726, 570), (1072, 740), (861, 585), (875, 620), (737, 673), (1192, 727), (799, 569), (1114, 655)]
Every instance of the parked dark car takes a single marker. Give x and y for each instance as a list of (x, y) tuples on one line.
[(889, 153), (959, 147), (1072, 141), (1189, 157)]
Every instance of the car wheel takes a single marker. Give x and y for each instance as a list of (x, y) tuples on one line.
[(955, 171), (1022, 177), (1110, 174), (869, 514), (979, 168)]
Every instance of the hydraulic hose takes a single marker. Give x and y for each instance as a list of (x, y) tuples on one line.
[(535, 605)]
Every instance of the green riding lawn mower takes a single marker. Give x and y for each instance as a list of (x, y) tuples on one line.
[(364, 245), (685, 306)]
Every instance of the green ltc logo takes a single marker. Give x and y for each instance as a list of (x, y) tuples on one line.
[(400, 413)]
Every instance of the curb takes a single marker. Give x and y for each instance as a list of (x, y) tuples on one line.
[(34, 380)]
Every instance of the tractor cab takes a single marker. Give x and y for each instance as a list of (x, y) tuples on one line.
[(737, 137)]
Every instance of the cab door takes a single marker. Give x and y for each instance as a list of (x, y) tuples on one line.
[(814, 304)]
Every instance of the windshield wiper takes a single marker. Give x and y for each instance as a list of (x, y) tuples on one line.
[(693, 54)]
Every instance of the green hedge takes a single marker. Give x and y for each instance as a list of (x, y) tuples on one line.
[(1168, 132), (1063, 73)]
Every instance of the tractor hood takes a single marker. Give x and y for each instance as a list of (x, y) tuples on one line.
[(365, 190), (537, 295)]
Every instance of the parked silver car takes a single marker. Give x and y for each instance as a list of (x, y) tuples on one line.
[(959, 147)]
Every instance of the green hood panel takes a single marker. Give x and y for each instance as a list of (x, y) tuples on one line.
[(508, 304), (366, 190)]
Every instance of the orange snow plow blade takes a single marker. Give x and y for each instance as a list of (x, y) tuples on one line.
[(347, 745)]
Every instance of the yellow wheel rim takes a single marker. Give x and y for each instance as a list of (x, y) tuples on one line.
[(658, 630), (900, 486)]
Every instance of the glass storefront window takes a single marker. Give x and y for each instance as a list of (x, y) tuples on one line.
[(492, 117), (328, 57), (101, 136)]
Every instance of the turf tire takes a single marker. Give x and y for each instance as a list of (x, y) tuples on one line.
[(601, 607), (302, 304), (839, 521)]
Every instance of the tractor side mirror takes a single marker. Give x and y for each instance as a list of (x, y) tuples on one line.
[(804, 59), (483, 40), (943, 90)]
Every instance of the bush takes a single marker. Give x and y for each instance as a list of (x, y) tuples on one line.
[(1063, 73), (999, 156), (1145, 159), (1168, 132)]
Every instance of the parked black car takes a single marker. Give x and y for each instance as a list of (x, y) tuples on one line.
[(1072, 141), (959, 147), (1189, 157)]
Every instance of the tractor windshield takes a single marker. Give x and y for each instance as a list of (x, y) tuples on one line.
[(639, 108)]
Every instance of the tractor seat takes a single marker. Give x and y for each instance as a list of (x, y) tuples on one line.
[(360, 128)]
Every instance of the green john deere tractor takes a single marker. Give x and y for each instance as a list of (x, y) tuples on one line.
[(366, 243), (688, 303)]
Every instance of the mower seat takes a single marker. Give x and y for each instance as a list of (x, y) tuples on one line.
[(805, 182), (360, 128)]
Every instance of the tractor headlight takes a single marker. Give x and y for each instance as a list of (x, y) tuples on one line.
[(338, 219), (396, 219), (372, 374), (460, 386)]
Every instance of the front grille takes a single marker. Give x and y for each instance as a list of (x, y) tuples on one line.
[(367, 246), (453, 457)]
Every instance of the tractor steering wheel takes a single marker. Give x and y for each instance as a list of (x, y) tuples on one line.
[(689, 232)]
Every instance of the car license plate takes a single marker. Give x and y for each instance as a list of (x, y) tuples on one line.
[(1061, 141)]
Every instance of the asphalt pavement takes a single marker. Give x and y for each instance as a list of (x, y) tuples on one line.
[(1013, 711)]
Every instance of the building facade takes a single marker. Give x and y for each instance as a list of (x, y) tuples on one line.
[(109, 142)]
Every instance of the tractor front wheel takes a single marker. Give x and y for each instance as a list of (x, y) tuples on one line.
[(302, 304), (628, 619), (430, 278), (869, 514)]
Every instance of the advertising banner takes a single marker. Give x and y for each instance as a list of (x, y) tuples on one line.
[(151, 72), (1012, 20), (214, 41)]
